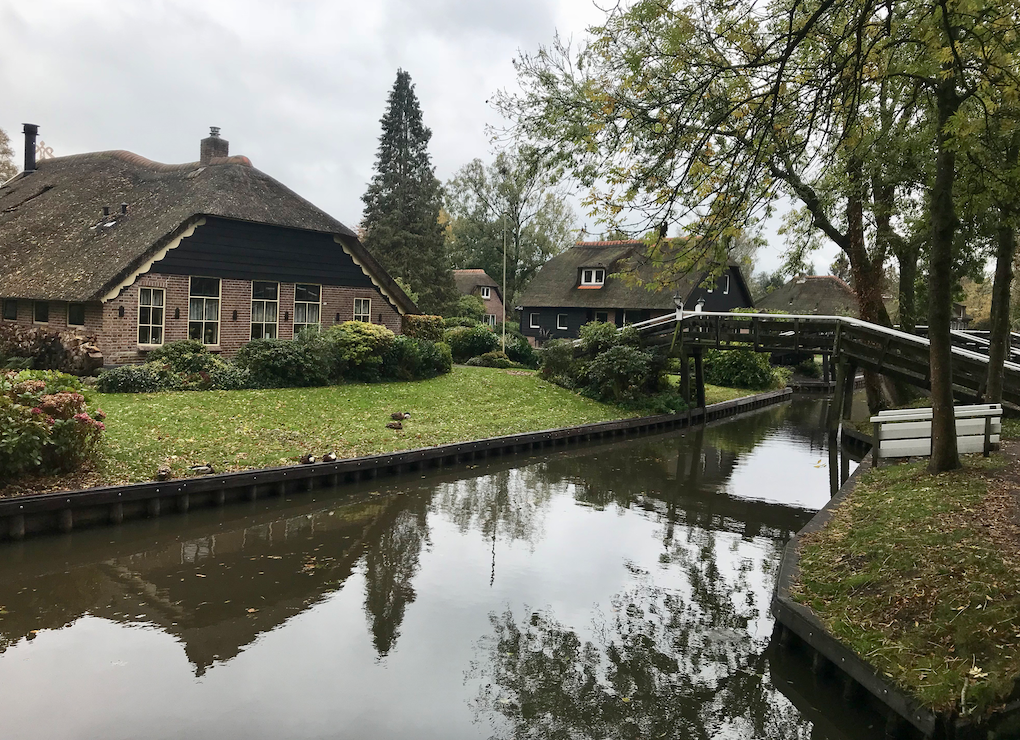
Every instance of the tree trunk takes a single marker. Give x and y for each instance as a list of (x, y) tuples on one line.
[(999, 335), (944, 453), (906, 257)]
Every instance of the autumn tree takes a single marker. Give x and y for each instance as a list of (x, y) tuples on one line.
[(511, 199), (401, 224), (7, 167)]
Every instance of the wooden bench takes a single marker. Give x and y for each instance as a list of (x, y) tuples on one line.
[(907, 432)]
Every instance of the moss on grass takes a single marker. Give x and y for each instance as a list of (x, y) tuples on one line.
[(920, 574)]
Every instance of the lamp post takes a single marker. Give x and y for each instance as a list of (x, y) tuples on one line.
[(678, 301)]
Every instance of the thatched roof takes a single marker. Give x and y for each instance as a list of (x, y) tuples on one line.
[(556, 284), (821, 295), (468, 280), (56, 244)]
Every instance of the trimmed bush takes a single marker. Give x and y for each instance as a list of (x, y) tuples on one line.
[(357, 349), (519, 350), (471, 306), (408, 358), (46, 425), (598, 336), (741, 368), (559, 364), (152, 377), (618, 374), (468, 342), (278, 363), (429, 328), (455, 321), (491, 359), (186, 356)]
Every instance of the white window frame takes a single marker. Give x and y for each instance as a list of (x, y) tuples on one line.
[(10, 301), (593, 276), (534, 320), (150, 324), (69, 323), (490, 319), (486, 292), (317, 304), (561, 325), (726, 284), (205, 309), (265, 304), (37, 303), (366, 312)]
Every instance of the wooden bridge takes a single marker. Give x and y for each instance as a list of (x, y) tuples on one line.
[(850, 343)]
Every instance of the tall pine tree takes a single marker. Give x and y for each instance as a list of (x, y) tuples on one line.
[(401, 223)]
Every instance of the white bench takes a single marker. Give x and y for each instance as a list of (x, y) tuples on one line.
[(907, 432)]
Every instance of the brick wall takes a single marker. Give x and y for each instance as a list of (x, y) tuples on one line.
[(58, 316), (119, 334)]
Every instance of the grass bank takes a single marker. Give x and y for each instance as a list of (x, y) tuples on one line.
[(237, 430), (920, 575)]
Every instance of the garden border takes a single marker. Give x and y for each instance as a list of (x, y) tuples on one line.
[(21, 516)]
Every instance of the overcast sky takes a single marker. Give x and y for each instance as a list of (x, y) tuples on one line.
[(298, 87)]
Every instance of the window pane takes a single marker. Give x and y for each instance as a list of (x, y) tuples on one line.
[(313, 293), (195, 310), (157, 297), (270, 331), (301, 313), (76, 314), (313, 313), (157, 316), (265, 291), (195, 330), (271, 312), (144, 315), (157, 335), (143, 335), (212, 309), (256, 331), (42, 311), (11, 310), (258, 311), (212, 334), (205, 287), (145, 297)]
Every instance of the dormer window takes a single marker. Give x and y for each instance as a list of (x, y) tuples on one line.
[(486, 293), (593, 276)]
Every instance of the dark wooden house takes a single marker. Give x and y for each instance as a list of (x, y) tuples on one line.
[(587, 283), (139, 253)]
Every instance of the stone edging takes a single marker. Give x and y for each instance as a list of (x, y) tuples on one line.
[(21, 516)]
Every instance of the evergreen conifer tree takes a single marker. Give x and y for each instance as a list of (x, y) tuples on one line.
[(401, 223)]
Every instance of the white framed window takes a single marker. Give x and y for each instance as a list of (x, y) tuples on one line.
[(41, 312), (10, 309), (307, 303), (486, 292), (363, 309), (533, 321), (76, 314), (265, 309), (626, 319), (490, 319), (561, 321), (726, 284), (593, 276), (150, 315), (204, 310)]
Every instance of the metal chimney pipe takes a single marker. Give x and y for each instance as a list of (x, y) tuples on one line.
[(31, 131)]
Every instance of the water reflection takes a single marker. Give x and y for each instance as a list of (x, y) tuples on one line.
[(651, 563)]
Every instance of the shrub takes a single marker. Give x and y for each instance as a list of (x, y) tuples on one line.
[(741, 368), (186, 356), (46, 425), (229, 377), (598, 336), (558, 363), (455, 321), (357, 349), (491, 359), (429, 328), (467, 342), (278, 363), (408, 358), (519, 350), (618, 374), (151, 377), (808, 367), (471, 306)]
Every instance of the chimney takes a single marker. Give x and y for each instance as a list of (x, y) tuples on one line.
[(31, 130), (214, 146)]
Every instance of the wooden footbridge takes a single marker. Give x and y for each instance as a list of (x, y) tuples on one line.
[(851, 344)]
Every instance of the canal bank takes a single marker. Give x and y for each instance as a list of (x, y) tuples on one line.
[(65, 511), (920, 575)]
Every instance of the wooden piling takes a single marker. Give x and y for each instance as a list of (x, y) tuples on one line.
[(699, 377)]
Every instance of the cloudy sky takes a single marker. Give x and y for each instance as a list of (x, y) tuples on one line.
[(298, 87)]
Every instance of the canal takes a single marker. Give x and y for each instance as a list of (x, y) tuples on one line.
[(616, 590)]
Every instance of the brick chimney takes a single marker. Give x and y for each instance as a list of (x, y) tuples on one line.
[(214, 146), (31, 131)]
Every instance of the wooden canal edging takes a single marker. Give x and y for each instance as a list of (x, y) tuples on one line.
[(22, 516), (830, 657)]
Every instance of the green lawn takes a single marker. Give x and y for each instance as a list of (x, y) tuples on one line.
[(920, 575)]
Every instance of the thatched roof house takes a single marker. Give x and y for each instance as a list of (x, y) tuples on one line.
[(820, 295), (83, 234), (478, 282), (586, 283)]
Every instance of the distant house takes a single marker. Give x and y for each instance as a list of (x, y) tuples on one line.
[(585, 284), (960, 320), (819, 295), (140, 253), (478, 282)]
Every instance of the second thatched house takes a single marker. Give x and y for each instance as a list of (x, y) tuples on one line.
[(816, 295), (587, 283)]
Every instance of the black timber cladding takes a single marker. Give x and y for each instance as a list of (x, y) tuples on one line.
[(241, 250)]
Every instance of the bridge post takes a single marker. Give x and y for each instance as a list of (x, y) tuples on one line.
[(836, 404), (685, 375), (848, 390), (699, 376), (826, 376)]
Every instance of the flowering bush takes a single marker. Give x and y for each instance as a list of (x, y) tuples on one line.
[(46, 425)]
